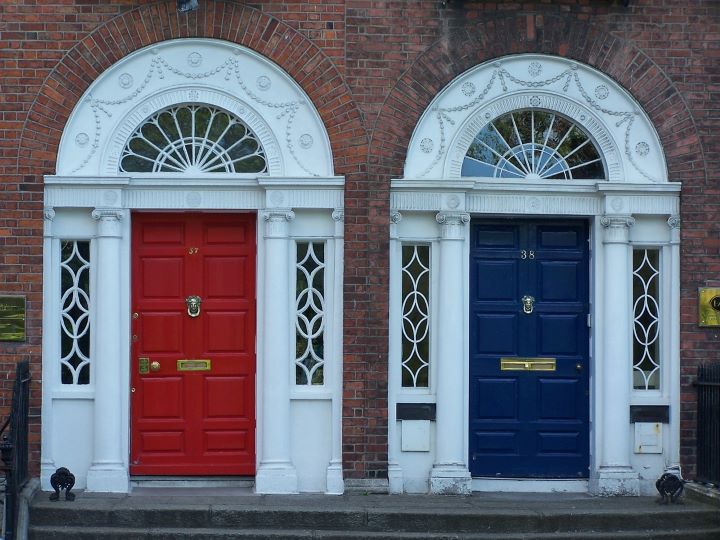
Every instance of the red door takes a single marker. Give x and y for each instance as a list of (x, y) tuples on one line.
[(193, 377)]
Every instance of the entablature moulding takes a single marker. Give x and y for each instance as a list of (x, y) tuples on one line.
[(527, 198), (212, 192)]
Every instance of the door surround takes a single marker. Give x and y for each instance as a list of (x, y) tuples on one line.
[(433, 204), (88, 199)]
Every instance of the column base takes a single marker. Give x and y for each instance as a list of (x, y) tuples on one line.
[(615, 481), (276, 479), (395, 479), (47, 469), (450, 480), (107, 478), (335, 482)]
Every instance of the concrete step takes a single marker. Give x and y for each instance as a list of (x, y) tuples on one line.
[(375, 516), (114, 533)]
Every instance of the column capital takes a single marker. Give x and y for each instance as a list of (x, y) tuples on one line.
[(338, 214), (674, 224), (617, 228), (48, 217), (108, 221), (617, 220), (452, 224), (395, 218), (277, 221)]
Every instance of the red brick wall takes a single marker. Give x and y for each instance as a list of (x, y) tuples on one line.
[(371, 67)]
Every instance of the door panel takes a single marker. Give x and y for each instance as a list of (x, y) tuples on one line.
[(193, 422), (529, 423)]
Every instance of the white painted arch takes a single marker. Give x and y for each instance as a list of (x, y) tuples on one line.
[(621, 129), (210, 71)]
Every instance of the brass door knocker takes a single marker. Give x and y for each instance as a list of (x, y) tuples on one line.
[(193, 305), (528, 303)]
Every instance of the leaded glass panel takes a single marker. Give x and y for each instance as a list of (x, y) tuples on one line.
[(646, 312), (310, 313), (415, 315), (534, 145), (75, 314), (193, 139)]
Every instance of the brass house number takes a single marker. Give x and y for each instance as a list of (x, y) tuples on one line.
[(709, 306)]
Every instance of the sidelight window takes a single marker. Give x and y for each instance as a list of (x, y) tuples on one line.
[(75, 314), (415, 315), (310, 313), (646, 313)]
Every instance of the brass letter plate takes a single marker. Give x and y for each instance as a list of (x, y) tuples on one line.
[(527, 364), (12, 318), (709, 306), (193, 365)]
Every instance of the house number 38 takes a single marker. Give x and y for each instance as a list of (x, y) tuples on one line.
[(524, 254)]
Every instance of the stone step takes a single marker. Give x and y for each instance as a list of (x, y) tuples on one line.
[(484, 516), (400, 520), (124, 533)]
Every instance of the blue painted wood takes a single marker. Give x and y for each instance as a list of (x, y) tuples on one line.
[(529, 423)]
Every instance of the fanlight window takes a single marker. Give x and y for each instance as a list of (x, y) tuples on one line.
[(193, 139), (534, 145)]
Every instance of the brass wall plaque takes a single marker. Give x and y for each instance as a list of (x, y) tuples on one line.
[(193, 365), (709, 306), (527, 364), (12, 318)]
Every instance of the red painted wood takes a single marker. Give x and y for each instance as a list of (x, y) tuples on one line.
[(183, 422)]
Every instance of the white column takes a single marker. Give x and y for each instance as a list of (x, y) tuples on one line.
[(107, 472), (51, 364), (276, 473), (334, 477), (450, 473), (395, 473), (615, 475), (673, 358)]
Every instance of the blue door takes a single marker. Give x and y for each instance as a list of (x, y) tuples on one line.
[(529, 358)]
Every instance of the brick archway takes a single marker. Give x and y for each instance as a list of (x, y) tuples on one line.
[(152, 23), (562, 36), (572, 37), (317, 73)]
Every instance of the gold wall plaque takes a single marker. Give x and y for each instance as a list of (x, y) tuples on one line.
[(709, 306), (193, 365), (515, 363), (12, 318)]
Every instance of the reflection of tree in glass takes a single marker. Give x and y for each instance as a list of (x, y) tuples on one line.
[(193, 139), (533, 144)]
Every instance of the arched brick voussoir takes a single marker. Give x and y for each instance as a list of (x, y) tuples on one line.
[(584, 41), (159, 21)]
